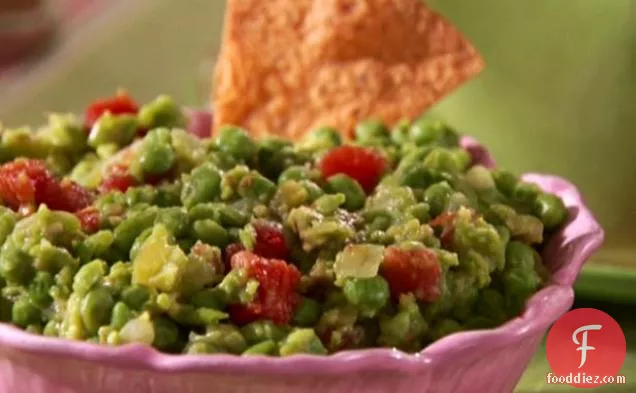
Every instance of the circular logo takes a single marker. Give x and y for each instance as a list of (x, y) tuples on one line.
[(585, 348)]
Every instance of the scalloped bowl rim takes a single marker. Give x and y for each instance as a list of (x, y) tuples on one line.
[(543, 308)]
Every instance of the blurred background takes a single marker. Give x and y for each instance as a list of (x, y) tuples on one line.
[(557, 96)]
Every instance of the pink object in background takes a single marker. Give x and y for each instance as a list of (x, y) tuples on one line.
[(485, 361), (26, 27), (29, 28)]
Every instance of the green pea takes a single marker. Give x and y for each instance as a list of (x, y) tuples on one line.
[(227, 337), (128, 230), (7, 222), (166, 334), (369, 295), (121, 315), (233, 285), (308, 313), (302, 341), (51, 329), (25, 313), (491, 304), (207, 316), (204, 211), (96, 309), (89, 275), (371, 129), (209, 298), (65, 132), (273, 155), (222, 160), (156, 155), (95, 246), (119, 277), (328, 204), (313, 190), (202, 185), (136, 296), (210, 232), (420, 211), (260, 331), (400, 133), (428, 130), (175, 219), (143, 194), (525, 195), (416, 175), (322, 138), (237, 142), (16, 265), (447, 160), (201, 348), (39, 289), (351, 189), (405, 329), (161, 112), (169, 194), (412, 154), (51, 258), (106, 150), (229, 216), (437, 197), (139, 241), (519, 277), (119, 130), (378, 219), (257, 187), (64, 281), (505, 181), (293, 173), (268, 347), (224, 214), (444, 328), (551, 210)]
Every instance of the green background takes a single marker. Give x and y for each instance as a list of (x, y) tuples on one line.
[(557, 96)]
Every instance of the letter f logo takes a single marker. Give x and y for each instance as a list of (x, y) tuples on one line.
[(583, 344)]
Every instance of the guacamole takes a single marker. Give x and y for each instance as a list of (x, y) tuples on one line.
[(121, 227)]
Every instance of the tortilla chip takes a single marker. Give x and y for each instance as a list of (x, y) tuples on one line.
[(289, 66)]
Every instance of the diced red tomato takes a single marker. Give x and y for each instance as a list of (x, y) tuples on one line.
[(72, 197), (118, 178), (276, 298), (90, 219), (364, 165), (22, 181), (120, 104), (27, 183), (414, 271), (446, 221), (270, 241)]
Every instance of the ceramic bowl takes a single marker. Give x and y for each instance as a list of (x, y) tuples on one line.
[(484, 361)]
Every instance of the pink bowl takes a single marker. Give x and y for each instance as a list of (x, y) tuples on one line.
[(486, 361)]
